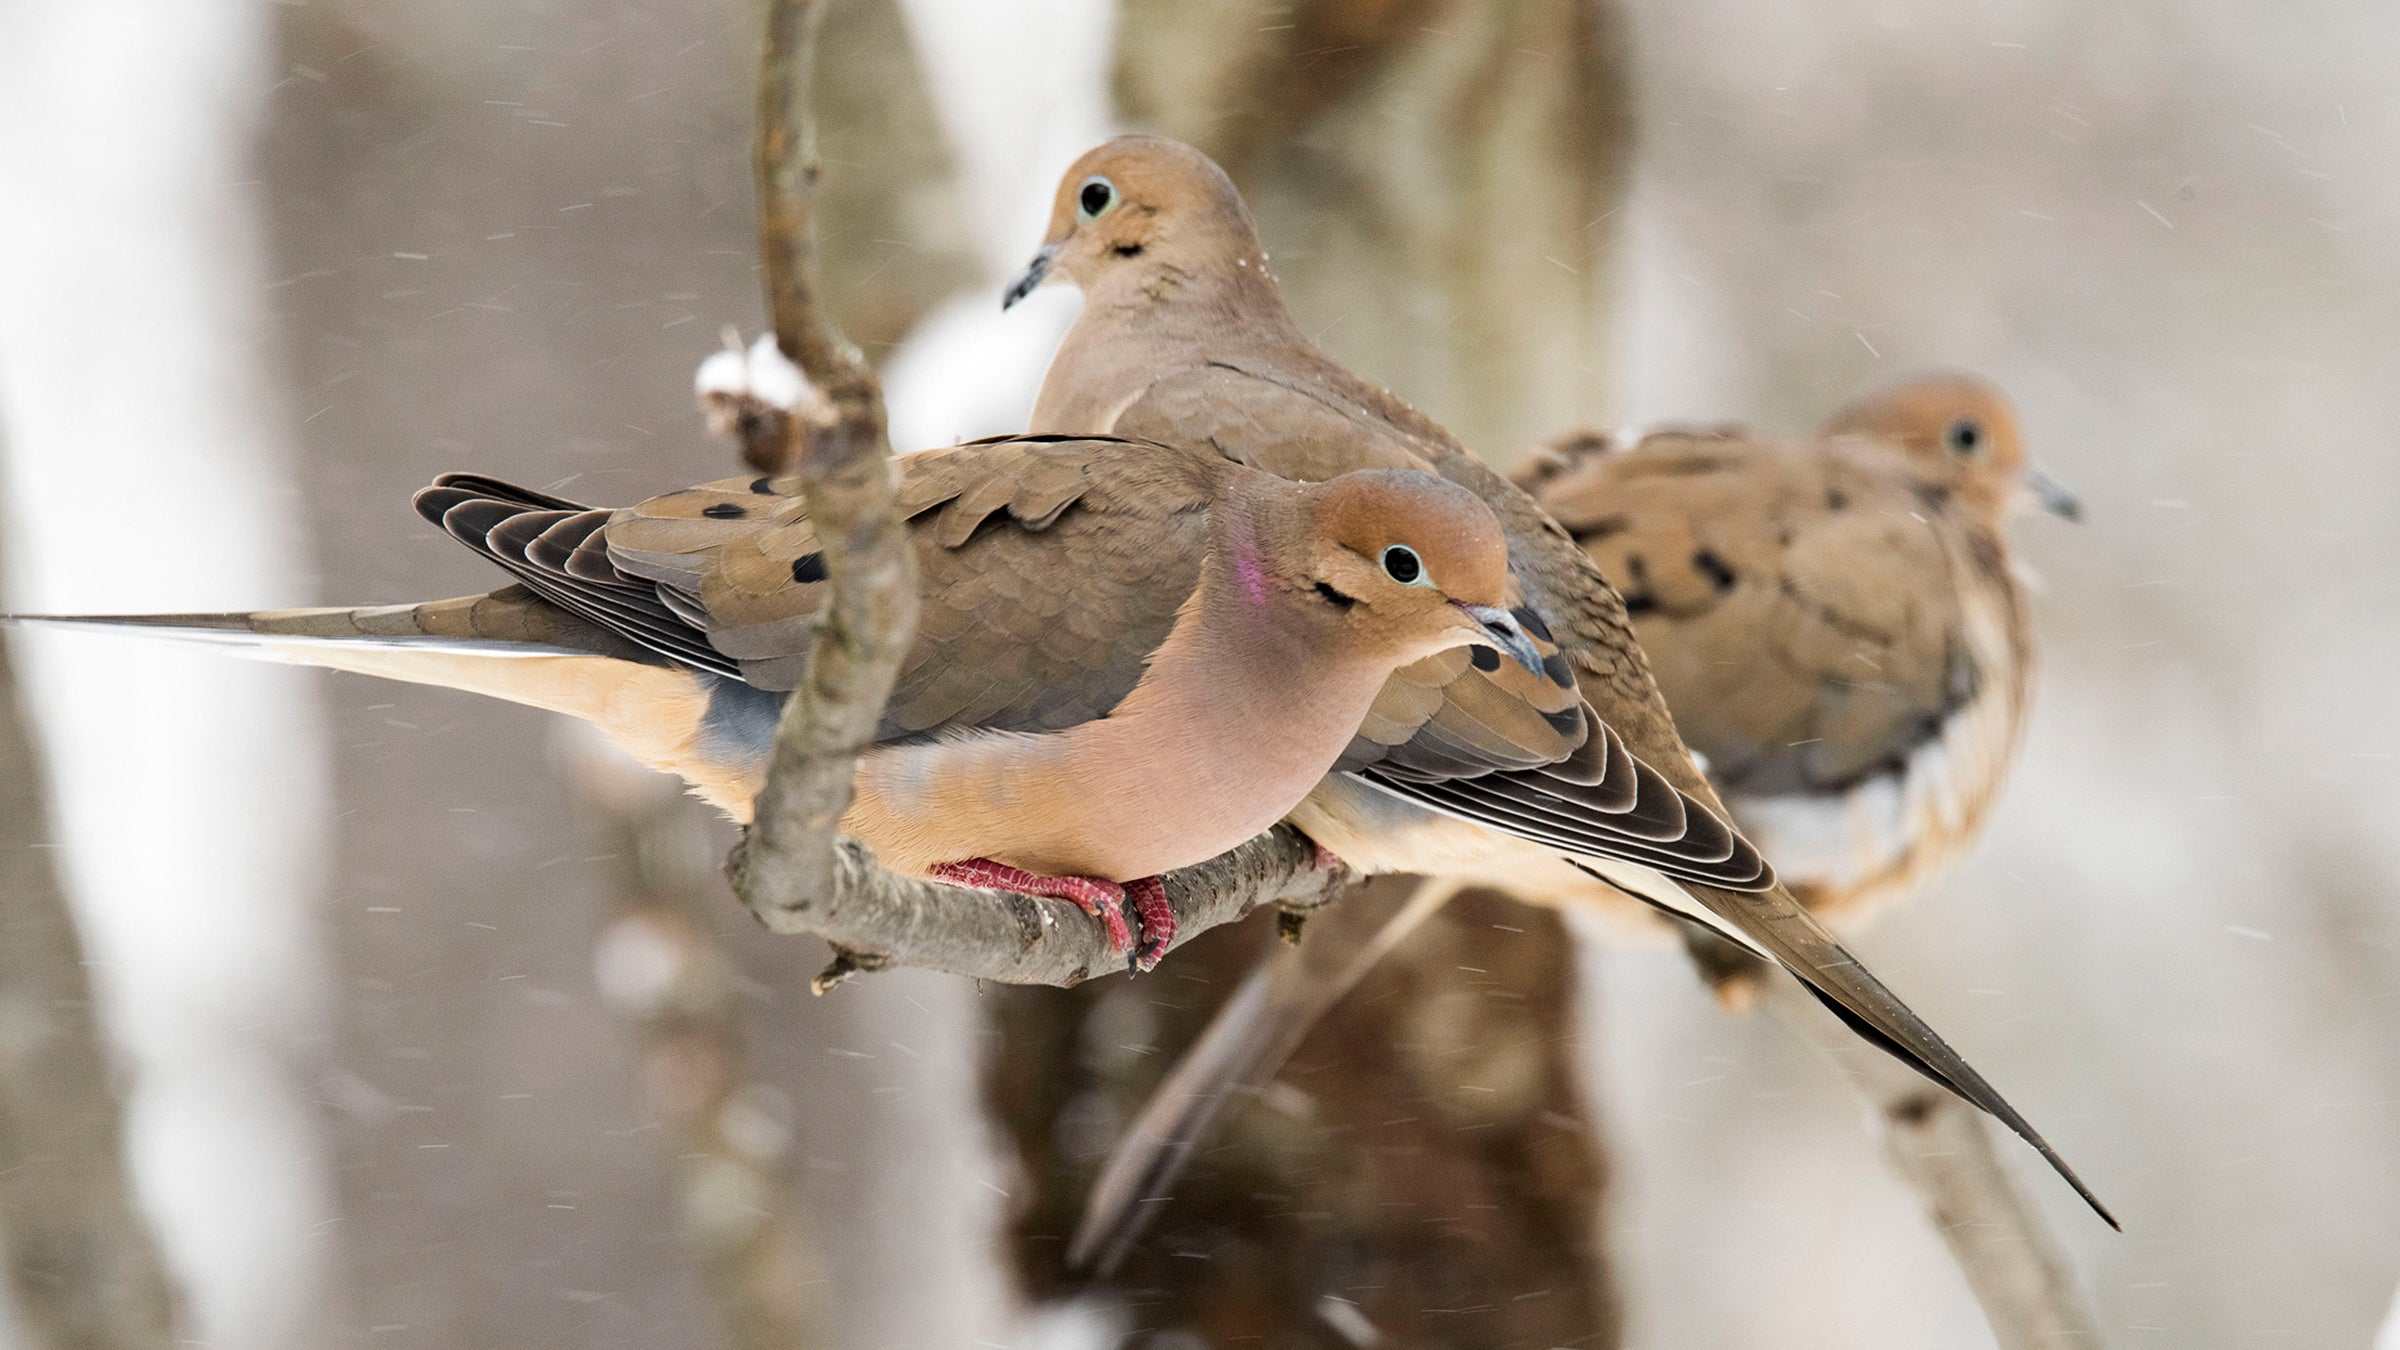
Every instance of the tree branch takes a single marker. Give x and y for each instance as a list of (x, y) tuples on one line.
[(2011, 1260), (794, 871), (1024, 939)]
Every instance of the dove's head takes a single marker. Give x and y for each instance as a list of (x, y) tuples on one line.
[(1406, 565), (1140, 208), (1961, 436)]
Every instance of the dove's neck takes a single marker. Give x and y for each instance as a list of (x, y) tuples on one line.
[(1242, 709), (1245, 706), (1174, 310)]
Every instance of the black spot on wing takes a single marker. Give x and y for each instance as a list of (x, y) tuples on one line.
[(726, 511), (808, 568), (1600, 529), (1639, 599), (1484, 658)]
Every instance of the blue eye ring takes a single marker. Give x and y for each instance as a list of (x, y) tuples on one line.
[(1401, 564), (1096, 198)]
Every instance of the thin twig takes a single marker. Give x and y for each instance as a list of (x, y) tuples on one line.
[(794, 871), (842, 457)]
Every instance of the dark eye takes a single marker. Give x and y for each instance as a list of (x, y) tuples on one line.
[(1095, 197), (1401, 564), (1963, 436)]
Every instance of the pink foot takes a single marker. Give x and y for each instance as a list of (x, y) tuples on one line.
[(1103, 900), (1327, 859), (1149, 897)]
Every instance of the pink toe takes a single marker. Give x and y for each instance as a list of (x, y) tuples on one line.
[(1103, 900), (1149, 898)]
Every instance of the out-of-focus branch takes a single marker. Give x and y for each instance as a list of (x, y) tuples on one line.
[(2010, 1258), (795, 871), (1943, 1148), (83, 1268), (660, 966)]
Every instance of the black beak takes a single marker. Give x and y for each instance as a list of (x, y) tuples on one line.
[(2056, 497), (1035, 273), (1508, 635)]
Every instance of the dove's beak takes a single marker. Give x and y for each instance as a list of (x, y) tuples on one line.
[(1035, 274), (2056, 497), (1507, 634)]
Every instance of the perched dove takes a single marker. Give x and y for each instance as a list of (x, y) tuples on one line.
[(1835, 623), (1184, 338), (1130, 658)]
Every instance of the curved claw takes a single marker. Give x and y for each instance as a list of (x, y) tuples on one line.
[(1149, 899)]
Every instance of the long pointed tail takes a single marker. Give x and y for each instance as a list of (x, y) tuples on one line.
[(1774, 924), (1242, 1050), (508, 622), (507, 645)]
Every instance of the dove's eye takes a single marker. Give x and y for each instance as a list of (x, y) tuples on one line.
[(1963, 436), (1093, 199), (1401, 564)]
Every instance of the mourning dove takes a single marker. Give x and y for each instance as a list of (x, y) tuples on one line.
[(1835, 621), (1184, 338), (1130, 658), (1837, 626)]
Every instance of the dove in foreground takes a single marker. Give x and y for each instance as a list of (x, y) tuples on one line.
[(1130, 658)]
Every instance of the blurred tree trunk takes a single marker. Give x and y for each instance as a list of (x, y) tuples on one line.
[(1438, 182), (1435, 180), (1425, 1167), (83, 1268), (186, 792)]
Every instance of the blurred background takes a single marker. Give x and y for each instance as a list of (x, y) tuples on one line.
[(267, 268)]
